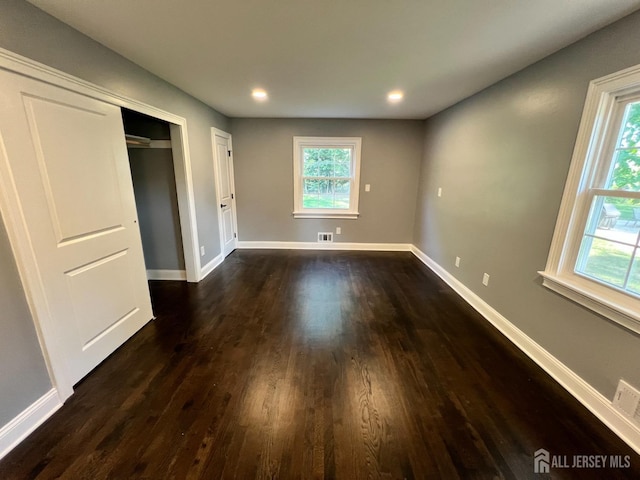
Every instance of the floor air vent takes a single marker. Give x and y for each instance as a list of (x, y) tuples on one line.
[(324, 237)]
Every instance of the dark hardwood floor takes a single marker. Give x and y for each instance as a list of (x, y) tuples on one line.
[(310, 365)]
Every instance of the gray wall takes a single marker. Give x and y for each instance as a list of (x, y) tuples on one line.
[(28, 31), (23, 375), (502, 157), (263, 164)]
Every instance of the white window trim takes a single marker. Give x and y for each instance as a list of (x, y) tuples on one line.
[(559, 275), (351, 142)]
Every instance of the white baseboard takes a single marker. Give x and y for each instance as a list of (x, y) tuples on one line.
[(600, 406), (31, 418), (166, 275), (379, 247), (211, 266)]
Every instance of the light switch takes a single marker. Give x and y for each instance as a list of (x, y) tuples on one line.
[(367, 188)]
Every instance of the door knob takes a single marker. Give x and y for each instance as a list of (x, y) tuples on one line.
[(222, 205)]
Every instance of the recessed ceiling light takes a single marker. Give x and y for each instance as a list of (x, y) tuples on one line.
[(395, 96), (259, 94)]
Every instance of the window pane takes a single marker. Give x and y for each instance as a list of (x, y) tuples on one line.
[(610, 240), (605, 260), (343, 168), (630, 135), (615, 218), (324, 200), (326, 162), (633, 284), (342, 193), (310, 162), (342, 159), (625, 167), (625, 174), (322, 193), (311, 186)]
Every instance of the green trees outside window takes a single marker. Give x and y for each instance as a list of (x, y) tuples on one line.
[(326, 177)]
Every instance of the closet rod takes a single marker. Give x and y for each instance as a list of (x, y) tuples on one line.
[(137, 141)]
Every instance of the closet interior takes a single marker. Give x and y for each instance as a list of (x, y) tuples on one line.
[(154, 184)]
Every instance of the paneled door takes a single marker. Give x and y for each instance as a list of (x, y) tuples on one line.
[(224, 174), (67, 157)]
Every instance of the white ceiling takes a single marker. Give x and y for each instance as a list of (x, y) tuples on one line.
[(335, 58)]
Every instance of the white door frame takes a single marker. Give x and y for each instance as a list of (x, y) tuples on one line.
[(16, 226), (216, 172)]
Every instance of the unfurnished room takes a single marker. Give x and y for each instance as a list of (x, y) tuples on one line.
[(319, 239)]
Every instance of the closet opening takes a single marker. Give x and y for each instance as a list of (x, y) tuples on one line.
[(149, 146)]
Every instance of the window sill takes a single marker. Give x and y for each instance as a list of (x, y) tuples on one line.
[(338, 215), (615, 306)]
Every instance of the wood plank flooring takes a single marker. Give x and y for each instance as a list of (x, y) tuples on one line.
[(314, 365)]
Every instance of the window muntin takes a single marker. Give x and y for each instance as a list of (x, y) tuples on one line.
[(595, 254), (326, 177)]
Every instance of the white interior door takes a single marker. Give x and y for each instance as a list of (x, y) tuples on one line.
[(68, 159), (224, 163)]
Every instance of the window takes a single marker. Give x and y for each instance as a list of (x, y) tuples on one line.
[(326, 177), (595, 254)]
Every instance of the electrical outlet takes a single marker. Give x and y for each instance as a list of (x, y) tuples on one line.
[(485, 279), (367, 188), (457, 261), (338, 230), (627, 400), (202, 251), (439, 191)]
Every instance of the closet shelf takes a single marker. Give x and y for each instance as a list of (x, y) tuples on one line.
[(134, 141)]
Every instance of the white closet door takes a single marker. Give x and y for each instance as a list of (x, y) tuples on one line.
[(69, 163)]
